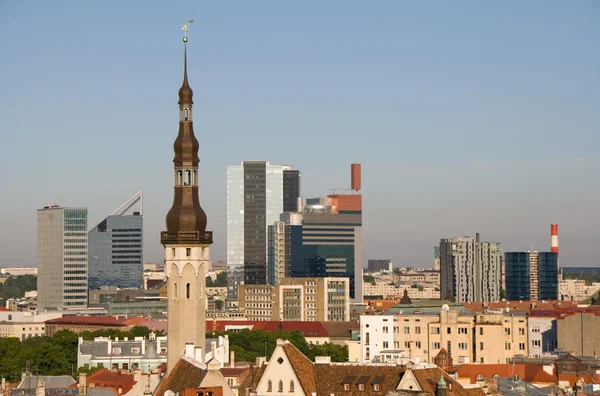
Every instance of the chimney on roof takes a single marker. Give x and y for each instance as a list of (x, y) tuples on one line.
[(198, 354), (232, 359), (40, 389), (189, 350), (82, 383)]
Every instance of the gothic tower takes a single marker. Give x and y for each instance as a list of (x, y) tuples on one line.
[(186, 240)]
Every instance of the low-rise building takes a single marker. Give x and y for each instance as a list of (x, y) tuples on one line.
[(301, 299), (542, 331), (24, 325), (77, 324), (145, 354), (576, 289), (579, 332), (389, 290), (18, 271), (418, 336)]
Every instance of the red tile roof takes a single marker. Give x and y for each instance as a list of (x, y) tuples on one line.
[(519, 306), (183, 375), (234, 371), (527, 372), (107, 379), (303, 368), (308, 329), (89, 320), (4, 309)]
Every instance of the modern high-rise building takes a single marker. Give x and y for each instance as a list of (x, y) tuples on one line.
[(280, 246), (375, 265), (186, 240), (327, 242), (436, 258), (531, 276), (62, 257), (116, 248), (257, 194), (470, 269)]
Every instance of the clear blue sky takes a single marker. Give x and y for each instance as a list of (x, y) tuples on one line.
[(467, 116)]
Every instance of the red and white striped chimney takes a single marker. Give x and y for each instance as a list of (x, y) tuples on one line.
[(554, 238)]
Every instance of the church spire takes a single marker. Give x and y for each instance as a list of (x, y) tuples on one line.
[(186, 216)]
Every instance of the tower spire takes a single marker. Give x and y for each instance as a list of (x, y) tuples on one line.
[(185, 92)]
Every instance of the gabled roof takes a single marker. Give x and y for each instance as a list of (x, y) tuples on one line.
[(183, 375), (51, 381), (303, 368)]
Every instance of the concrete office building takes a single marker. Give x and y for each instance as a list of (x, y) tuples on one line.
[(116, 248), (470, 269), (297, 299), (257, 194), (280, 246), (62, 254), (531, 276)]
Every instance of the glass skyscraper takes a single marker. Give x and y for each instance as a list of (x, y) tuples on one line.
[(531, 276), (62, 253), (257, 194), (116, 249)]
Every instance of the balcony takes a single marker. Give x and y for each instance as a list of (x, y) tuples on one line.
[(186, 237)]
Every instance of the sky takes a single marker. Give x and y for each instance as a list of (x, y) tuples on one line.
[(467, 116)]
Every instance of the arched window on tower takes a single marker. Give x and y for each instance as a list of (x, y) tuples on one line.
[(280, 386), (269, 386), (292, 386), (188, 177), (188, 291), (175, 290), (185, 115), (179, 177)]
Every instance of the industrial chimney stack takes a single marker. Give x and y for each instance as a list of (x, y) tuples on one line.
[(554, 238)]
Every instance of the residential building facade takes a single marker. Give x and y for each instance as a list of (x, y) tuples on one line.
[(531, 276), (23, 325), (62, 257), (470, 269), (116, 248), (297, 299)]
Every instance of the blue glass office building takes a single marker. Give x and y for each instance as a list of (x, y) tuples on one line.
[(531, 276), (115, 250)]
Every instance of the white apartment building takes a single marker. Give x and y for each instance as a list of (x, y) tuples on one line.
[(576, 289), (542, 333), (24, 325), (382, 288), (18, 271)]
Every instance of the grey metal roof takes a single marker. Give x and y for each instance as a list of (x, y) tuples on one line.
[(51, 381)]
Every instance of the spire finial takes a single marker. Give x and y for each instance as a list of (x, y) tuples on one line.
[(185, 93)]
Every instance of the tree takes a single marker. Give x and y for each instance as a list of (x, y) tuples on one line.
[(368, 279), (16, 286), (220, 282), (219, 305), (502, 294)]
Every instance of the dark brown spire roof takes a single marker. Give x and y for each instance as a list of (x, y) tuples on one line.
[(185, 92)]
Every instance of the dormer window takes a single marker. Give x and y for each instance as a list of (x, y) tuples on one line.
[(346, 386), (376, 387), (361, 387)]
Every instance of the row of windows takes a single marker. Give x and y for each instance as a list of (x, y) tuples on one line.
[(70, 272), (76, 234), (76, 259), (75, 266), (116, 241), (71, 253), (75, 240), (127, 230), (75, 278), (280, 386), (74, 247)]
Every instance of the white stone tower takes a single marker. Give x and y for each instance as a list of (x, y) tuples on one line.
[(186, 240)]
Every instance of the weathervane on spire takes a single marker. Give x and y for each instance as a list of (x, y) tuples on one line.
[(185, 30)]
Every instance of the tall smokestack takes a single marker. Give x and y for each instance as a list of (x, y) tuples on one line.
[(554, 238), (355, 177)]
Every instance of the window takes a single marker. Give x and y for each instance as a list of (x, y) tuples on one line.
[(435, 330), (188, 290), (448, 330), (175, 290), (366, 338), (481, 346), (9, 317), (361, 387), (385, 329), (418, 330), (507, 331), (463, 346), (269, 386), (418, 344), (521, 346), (507, 346), (385, 344), (481, 331), (125, 366), (435, 345), (535, 329), (521, 331), (462, 330), (188, 252), (406, 330), (346, 386), (536, 343), (376, 387), (280, 387), (292, 386)]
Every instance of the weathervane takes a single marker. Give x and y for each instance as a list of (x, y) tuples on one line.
[(185, 30)]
